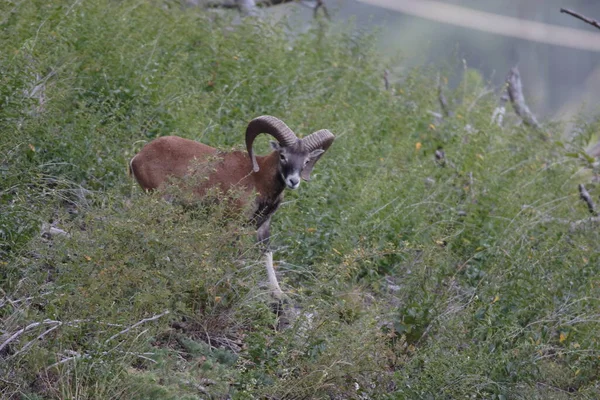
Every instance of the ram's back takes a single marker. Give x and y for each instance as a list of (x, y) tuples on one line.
[(171, 157)]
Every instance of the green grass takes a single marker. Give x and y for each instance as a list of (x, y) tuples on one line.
[(410, 278)]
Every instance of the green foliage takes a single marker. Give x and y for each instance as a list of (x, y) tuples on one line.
[(408, 277)]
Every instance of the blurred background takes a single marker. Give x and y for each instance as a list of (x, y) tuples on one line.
[(560, 80)]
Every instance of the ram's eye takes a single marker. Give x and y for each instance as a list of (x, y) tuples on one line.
[(282, 157)]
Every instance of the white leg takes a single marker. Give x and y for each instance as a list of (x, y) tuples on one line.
[(273, 284)]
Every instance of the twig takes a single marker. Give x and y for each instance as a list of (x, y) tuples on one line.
[(436, 115), (13, 303), (498, 114), (64, 360), (573, 225), (40, 337), (386, 80), (25, 329), (104, 353), (321, 4), (153, 318), (585, 196), (440, 156), (443, 102), (590, 21), (75, 3), (250, 7), (484, 92), (515, 93)]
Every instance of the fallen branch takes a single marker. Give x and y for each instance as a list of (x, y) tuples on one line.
[(573, 225), (515, 94), (587, 20), (26, 329), (38, 338), (76, 356), (55, 325), (585, 196), (13, 303), (153, 318), (64, 360), (250, 7)]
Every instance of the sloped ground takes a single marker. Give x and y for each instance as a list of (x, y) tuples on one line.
[(475, 275)]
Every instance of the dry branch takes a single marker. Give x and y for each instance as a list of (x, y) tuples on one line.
[(321, 4), (386, 80), (250, 7), (38, 338), (440, 156), (500, 111), (573, 225), (515, 93), (585, 196), (26, 329), (54, 325), (587, 20), (442, 99), (153, 318), (76, 356)]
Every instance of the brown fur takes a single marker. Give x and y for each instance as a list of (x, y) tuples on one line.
[(172, 156)]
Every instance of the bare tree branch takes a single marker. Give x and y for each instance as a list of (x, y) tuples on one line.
[(585, 196), (515, 93), (590, 21)]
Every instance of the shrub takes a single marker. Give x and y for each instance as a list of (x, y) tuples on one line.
[(409, 277)]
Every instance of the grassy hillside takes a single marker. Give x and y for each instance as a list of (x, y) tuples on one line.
[(475, 276)]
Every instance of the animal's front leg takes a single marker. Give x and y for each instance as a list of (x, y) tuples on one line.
[(273, 284), (264, 235)]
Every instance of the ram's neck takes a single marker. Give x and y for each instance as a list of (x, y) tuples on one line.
[(269, 186), (268, 181)]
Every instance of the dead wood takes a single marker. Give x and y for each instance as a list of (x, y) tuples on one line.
[(585, 196), (517, 99), (587, 20)]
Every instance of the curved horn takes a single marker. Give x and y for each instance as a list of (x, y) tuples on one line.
[(274, 127), (318, 140)]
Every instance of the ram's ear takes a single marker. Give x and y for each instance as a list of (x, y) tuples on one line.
[(274, 145), (313, 157)]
